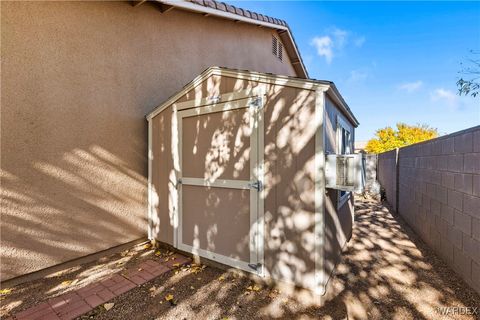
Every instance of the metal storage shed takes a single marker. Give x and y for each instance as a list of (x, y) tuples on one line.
[(236, 167)]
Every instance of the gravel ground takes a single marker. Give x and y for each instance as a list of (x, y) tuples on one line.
[(387, 273)]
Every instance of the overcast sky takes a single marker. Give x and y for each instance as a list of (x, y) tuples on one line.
[(392, 61)]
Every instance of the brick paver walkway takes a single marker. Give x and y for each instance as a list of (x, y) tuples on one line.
[(77, 302)]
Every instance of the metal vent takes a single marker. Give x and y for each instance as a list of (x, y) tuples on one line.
[(277, 48), (274, 46)]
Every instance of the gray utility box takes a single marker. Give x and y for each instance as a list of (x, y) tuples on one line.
[(344, 172)]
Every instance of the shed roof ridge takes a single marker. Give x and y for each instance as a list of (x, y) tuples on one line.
[(213, 70)]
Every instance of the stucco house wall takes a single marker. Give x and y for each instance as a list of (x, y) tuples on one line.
[(77, 80)]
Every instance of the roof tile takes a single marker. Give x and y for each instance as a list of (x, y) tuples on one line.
[(221, 6), (230, 8), (210, 3)]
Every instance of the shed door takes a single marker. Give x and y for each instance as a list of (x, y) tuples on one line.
[(220, 183)]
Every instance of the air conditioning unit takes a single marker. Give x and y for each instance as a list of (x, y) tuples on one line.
[(345, 172)]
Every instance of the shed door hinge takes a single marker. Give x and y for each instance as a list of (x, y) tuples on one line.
[(215, 99), (256, 102)]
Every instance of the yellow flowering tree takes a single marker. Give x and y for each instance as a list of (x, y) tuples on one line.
[(387, 139)]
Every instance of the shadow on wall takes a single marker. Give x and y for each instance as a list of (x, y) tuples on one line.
[(88, 201), (386, 274), (217, 146), (383, 272)]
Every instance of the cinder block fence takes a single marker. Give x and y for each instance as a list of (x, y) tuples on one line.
[(435, 186)]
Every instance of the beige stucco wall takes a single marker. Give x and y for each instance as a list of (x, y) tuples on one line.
[(77, 80)]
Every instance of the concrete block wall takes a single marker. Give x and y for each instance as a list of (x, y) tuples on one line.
[(439, 196), (387, 175), (370, 166)]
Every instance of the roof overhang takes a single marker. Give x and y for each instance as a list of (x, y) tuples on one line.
[(327, 86), (283, 30)]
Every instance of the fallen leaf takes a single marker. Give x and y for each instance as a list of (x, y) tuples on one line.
[(5, 291), (158, 253), (221, 278), (147, 246), (108, 306), (69, 282), (169, 297), (176, 265), (192, 287)]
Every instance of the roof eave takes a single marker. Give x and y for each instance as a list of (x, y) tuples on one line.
[(296, 61), (337, 97)]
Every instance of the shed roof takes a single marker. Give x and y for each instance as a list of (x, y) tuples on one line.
[(329, 86), (226, 11)]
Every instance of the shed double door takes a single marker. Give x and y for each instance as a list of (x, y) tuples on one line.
[(220, 183)]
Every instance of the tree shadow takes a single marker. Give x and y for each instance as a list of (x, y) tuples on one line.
[(92, 197)]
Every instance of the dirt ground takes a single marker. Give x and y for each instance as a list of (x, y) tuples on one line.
[(387, 273)]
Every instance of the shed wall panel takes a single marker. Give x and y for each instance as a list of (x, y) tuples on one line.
[(338, 219), (289, 152), (289, 170), (217, 220), (163, 177), (217, 145)]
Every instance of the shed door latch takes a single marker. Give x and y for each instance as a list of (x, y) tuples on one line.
[(255, 266), (256, 185)]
